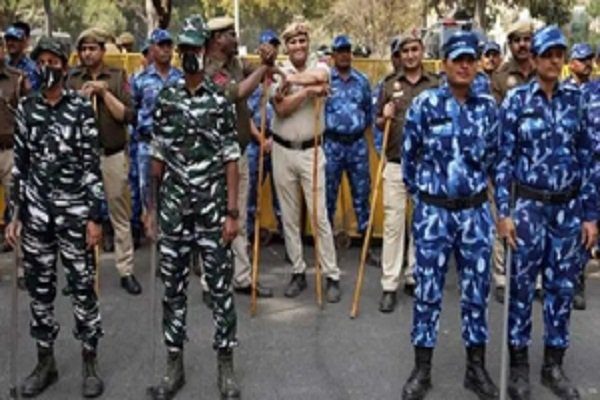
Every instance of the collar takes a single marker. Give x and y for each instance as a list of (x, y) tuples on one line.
[(512, 67), (104, 71), (444, 90), (151, 70), (64, 96), (335, 74), (534, 88), (401, 75)]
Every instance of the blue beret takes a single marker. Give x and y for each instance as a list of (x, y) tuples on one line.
[(491, 46), (160, 35), (460, 43), (341, 42), (581, 51), (269, 36), (546, 38)]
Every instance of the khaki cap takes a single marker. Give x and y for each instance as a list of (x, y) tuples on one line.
[(522, 26), (294, 29), (94, 35), (125, 38), (220, 23)]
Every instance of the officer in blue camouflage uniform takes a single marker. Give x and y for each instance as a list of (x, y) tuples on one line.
[(347, 115), (591, 95), (16, 44), (145, 88), (450, 141), (581, 65), (195, 153), (253, 148), (545, 154), (491, 58), (56, 196), (376, 93)]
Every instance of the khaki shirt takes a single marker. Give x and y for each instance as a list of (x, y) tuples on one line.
[(299, 126), (397, 87), (228, 75), (113, 133), (12, 86), (507, 77)]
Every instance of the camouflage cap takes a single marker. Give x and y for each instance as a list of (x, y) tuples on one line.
[(194, 31), (14, 33), (460, 43), (92, 35), (51, 45), (581, 51), (546, 38), (341, 42)]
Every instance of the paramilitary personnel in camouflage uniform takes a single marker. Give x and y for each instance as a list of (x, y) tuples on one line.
[(195, 153), (56, 197)]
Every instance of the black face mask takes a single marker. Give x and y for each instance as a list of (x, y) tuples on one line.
[(192, 63), (51, 76)]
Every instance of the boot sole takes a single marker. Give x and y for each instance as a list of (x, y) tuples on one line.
[(558, 394), (427, 388), (170, 395), (480, 395), (53, 378)]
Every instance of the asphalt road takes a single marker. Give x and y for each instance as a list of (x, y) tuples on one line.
[(291, 350)]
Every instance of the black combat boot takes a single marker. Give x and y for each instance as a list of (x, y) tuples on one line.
[(296, 286), (553, 376), (227, 381), (92, 384), (518, 379), (43, 375), (173, 380), (332, 290), (579, 298), (477, 378), (419, 382)]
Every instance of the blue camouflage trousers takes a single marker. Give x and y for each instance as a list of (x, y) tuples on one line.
[(439, 233), (354, 159), (252, 152), (176, 246), (49, 229), (134, 184), (548, 240)]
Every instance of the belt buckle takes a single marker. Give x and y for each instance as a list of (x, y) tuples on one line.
[(296, 145), (546, 197)]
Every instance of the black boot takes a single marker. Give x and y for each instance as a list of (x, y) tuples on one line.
[(553, 376), (227, 382), (477, 378), (173, 380), (332, 290), (388, 301), (296, 286), (92, 384), (579, 298), (419, 382), (518, 379), (43, 375)]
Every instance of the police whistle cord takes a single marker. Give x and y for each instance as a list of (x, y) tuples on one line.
[(14, 327), (367, 239), (315, 198), (257, 215), (507, 272)]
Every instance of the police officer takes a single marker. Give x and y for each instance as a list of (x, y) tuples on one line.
[(293, 157), (109, 88), (491, 57), (376, 93), (549, 162), (12, 87), (56, 197), (347, 116), (16, 38), (195, 155), (581, 64), (519, 69), (253, 148), (238, 80), (516, 71), (399, 89), (145, 88), (125, 42), (449, 147)]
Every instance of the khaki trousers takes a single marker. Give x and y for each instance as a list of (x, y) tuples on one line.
[(114, 174), (292, 172), (6, 166), (395, 200)]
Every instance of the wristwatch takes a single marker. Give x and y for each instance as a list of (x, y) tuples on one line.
[(233, 213)]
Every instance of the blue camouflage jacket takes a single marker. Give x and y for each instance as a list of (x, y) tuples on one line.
[(254, 107), (545, 144), (348, 110), (29, 68), (449, 148)]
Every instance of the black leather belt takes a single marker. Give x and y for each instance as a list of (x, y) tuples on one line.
[(395, 160), (110, 152), (455, 203), (544, 196), (341, 138), (6, 146), (306, 144)]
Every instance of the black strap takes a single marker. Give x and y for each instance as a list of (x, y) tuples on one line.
[(455, 203), (345, 139), (306, 144), (545, 196)]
